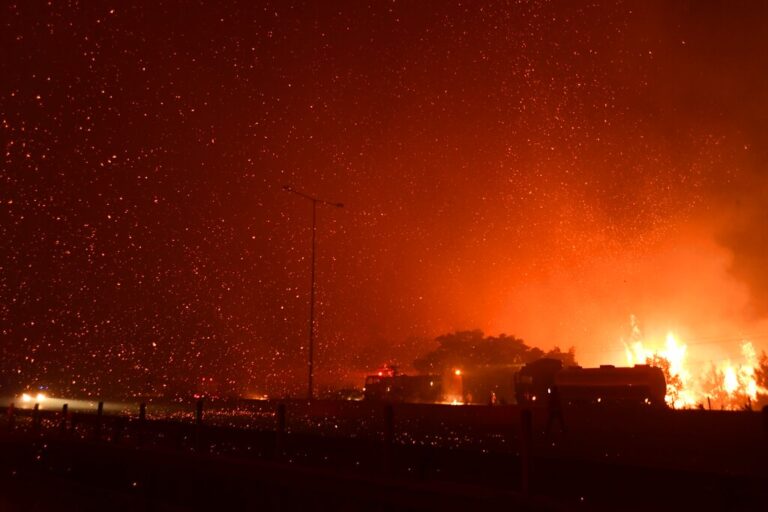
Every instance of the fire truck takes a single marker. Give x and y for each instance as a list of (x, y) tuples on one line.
[(539, 382), (608, 384), (576, 386), (391, 386)]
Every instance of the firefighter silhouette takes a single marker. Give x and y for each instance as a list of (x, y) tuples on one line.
[(554, 410)]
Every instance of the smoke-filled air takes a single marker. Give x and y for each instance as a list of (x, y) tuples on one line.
[(573, 175)]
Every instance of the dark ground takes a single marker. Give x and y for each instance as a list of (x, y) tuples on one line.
[(342, 456)]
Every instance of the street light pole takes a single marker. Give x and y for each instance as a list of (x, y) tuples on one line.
[(310, 362), (312, 305)]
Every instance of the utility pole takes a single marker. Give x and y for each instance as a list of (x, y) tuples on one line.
[(310, 359)]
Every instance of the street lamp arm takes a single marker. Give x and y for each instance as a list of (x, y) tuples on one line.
[(289, 188), (292, 190)]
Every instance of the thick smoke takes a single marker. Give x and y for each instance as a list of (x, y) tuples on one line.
[(745, 234), (712, 80)]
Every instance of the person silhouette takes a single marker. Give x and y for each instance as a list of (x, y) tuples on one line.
[(554, 410)]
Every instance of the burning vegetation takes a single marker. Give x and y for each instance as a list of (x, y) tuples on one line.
[(469, 367), (723, 384)]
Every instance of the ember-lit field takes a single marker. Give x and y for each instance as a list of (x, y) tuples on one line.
[(591, 460)]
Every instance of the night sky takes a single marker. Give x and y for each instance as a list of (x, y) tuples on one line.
[(542, 169)]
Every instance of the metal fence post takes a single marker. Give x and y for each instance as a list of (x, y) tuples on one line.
[(526, 435), (11, 416), (36, 418), (64, 417), (280, 431), (388, 439), (199, 412), (199, 425), (99, 418), (142, 422)]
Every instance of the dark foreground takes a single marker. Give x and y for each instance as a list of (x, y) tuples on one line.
[(359, 456)]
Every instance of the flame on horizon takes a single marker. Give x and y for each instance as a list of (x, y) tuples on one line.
[(723, 384)]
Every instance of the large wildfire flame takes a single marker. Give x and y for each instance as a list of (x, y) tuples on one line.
[(718, 384)]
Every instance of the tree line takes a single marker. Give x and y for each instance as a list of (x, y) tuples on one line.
[(472, 349)]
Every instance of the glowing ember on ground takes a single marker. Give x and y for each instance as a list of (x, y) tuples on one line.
[(718, 384)]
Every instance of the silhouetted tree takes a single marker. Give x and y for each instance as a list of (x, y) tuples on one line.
[(468, 349), (674, 383), (568, 358)]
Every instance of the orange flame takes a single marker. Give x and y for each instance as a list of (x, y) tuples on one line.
[(724, 383), (671, 359)]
